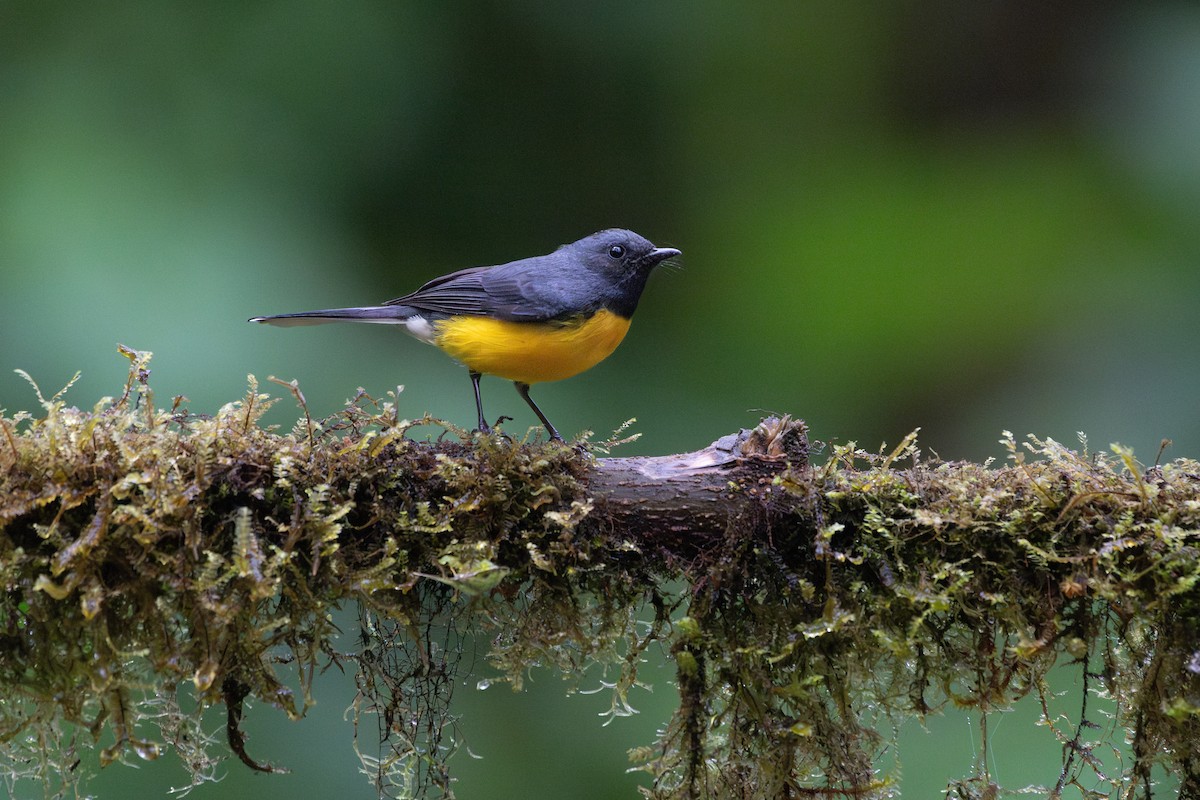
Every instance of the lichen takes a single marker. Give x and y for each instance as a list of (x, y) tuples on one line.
[(148, 554)]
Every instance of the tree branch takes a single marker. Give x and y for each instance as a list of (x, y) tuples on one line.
[(804, 605)]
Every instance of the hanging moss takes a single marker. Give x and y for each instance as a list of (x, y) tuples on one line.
[(148, 554)]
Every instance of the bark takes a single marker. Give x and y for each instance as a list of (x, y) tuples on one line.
[(696, 494)]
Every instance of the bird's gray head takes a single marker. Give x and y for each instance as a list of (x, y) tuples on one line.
[(624, 260), (618, 250)]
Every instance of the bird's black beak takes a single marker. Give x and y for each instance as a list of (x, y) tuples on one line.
[(660, 254)]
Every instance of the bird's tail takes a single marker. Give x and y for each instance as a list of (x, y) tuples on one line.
[(385, 315)]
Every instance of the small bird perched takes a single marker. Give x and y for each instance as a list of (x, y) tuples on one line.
[(538, 319)]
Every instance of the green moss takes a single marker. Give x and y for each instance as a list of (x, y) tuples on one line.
[(148, 553)]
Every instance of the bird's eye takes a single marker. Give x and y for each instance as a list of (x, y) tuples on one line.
[(616, 251)]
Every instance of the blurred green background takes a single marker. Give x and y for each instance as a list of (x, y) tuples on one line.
[(960, 216)]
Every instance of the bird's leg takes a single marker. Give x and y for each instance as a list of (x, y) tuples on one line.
[(483, 426), (523, 390)]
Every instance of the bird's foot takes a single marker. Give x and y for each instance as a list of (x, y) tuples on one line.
[(487, 430)]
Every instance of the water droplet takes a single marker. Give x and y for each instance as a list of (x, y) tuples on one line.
[(148, 751), (206, 673)]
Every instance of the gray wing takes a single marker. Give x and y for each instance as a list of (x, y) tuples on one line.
[(529, 290)]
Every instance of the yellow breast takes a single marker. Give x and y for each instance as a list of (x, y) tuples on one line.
[(531, 352)]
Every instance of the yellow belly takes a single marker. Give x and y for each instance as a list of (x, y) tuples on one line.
[(531, 352)]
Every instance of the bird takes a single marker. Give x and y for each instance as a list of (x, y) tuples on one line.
[(534, 320)]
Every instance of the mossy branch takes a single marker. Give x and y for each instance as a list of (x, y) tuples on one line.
[(150, 554)]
